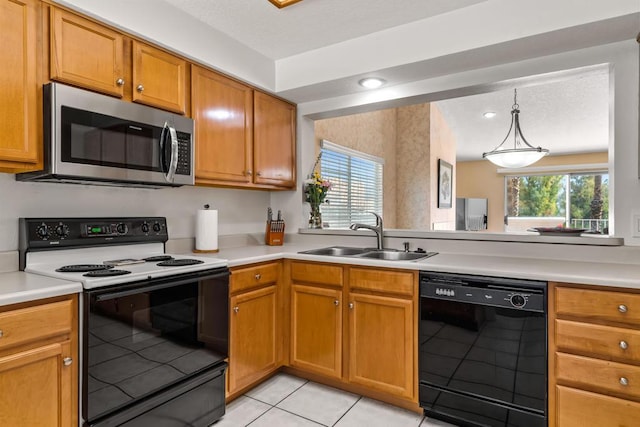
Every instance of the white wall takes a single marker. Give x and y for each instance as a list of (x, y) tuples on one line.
[(240, 211)]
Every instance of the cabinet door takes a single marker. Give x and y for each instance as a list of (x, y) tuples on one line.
[(381, 350), (86, 54), (316, 330), (19, 85), (274, 147), (37, 387), (223, 110), (253, 336), (159, 79)]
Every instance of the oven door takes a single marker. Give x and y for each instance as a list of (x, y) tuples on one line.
[(146, 339), (483, 364)]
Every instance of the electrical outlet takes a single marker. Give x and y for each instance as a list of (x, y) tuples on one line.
[(636, 225)]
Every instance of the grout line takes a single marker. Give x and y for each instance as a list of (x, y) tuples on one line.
[(350, 407), (259, 416), (301, 416), (297, 388)]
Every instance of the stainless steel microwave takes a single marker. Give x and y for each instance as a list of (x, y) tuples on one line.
[(96, 139)]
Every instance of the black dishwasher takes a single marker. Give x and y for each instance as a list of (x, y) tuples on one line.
[(483, 350)]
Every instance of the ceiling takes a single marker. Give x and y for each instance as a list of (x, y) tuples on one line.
[(310, 24), (566, 116)]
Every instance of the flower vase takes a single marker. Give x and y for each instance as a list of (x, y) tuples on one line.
[(315, 217)]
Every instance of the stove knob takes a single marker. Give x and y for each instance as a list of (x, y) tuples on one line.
[(62, 230), (518, 300), (42, 231), (157, 227), (122, 228), (144, 227)]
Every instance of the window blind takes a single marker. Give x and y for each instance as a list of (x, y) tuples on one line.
[(356, 186)]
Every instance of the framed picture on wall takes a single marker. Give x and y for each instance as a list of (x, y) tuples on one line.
[(445, 184)]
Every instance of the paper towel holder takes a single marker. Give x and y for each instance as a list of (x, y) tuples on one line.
[(206, 251)]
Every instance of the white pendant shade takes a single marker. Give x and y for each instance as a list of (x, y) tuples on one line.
[(522, 153)]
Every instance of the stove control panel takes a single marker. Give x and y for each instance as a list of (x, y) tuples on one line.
[(49, 232)]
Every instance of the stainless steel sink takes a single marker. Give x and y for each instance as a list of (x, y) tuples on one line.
[(384, 254), (395, 255), (337, 251)]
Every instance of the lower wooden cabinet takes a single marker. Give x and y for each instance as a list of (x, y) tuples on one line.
[(38, 364), (381, 343), (316, 329), (254, 326), (594, 367)]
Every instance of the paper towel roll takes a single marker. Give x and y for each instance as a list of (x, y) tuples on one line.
[(207, 230)]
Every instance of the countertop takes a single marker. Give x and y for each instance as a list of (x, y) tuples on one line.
[(588, 273), (19, 286)]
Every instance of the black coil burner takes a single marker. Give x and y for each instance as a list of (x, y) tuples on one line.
[(106, 273), (83, 268), (179, 262), (158, 258)]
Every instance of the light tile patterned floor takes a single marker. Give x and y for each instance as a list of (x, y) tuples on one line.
[(288, 401)]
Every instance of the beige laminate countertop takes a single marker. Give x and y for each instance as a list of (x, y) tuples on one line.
[(588, 273), (19, 286)]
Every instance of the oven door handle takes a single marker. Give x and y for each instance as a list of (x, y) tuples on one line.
[(150, 288), (170, 131)]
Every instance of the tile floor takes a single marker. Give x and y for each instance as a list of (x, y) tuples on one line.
[(288, 401)]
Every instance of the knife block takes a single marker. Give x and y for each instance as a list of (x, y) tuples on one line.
[(274, 234)]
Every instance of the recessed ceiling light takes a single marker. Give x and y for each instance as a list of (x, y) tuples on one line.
[(371, 82), (489, 114)]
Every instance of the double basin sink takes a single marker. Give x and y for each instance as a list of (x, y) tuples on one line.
[(371, 253)]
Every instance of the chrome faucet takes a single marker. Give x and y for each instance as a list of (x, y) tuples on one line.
[(377, 229)]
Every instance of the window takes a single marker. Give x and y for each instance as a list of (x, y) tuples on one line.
[(356, 186), (575, 200)]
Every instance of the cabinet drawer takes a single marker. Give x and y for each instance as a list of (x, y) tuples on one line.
[(577, 408), (601, 374), (599, 340), (397, 282), (251, 277), (32, 323), (316, 273), (603, 305)]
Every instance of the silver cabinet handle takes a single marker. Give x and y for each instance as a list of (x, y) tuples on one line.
[(351, 305), (67, 361), (249, 172), (622, 308), (258, 276), (336, 302), (258, 173), (140, 88), (120, 82), (624, 345), (1, 333), (236, 309), (624, 381)]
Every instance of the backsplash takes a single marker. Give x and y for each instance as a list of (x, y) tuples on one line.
[(241, 211)]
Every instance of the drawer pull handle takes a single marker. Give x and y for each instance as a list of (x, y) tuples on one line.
[(624, 345), (1, 333), (624, 381), (67, 361), (140, 88), (622, 308), (258, 276), (351, 305), (336, 302), (236, 309), (120, 82)]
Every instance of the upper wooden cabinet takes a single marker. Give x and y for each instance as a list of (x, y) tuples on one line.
[(95, 57), (159, 79), (86, 54), (21, 116), (223, 110), (244, 138), (274, 141)]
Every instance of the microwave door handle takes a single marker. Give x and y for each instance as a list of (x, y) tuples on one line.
[(173, 165)]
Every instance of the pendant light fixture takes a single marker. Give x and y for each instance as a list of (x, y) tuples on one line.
[(522, 154)]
